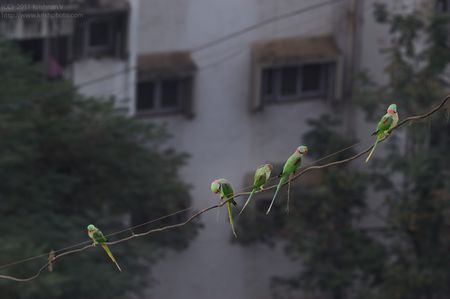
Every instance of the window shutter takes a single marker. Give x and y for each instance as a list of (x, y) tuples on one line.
[(255, 103), (187, 96)]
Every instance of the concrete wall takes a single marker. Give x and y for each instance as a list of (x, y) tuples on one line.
[(88, 70), (224, 139), (119, 73)]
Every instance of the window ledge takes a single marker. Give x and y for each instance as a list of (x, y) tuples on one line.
[(150, 114), (292, 101)]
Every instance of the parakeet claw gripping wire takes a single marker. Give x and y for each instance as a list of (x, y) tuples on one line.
[(227, 201), (262, 175), (385, 126), (290, 167), (223, 187), (97, 236)]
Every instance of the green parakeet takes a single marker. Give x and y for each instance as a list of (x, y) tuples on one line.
[(387, 123), (223, 187), (291, 165), (97, 236), (262, 175)]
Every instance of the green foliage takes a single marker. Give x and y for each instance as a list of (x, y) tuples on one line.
[(67, 161), (336, 255), (406, 255), (415, 173), (322, 230), (417, 58)]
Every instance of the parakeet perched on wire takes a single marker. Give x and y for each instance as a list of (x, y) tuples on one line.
[(262, 175), (385, 125), (291, 165), (223, 187), (97, 236)]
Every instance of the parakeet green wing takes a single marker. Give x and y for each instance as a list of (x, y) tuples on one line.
[(227, 192), (97, 236), (289, 167), (262, 174), (384, 124)]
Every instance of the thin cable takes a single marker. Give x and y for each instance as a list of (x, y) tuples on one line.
[(151, 221), (199, 48), (126, 70), (261, 24), (245, 48), (197, 214), (88, 241)]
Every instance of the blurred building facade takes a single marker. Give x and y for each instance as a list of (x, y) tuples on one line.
[(241, 100), (81, 40), (233, 95)]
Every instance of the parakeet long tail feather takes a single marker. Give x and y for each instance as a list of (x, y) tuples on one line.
[(109, 253), (230, 217), (248, 200), (288, 195), (275, 195), (373, 148)]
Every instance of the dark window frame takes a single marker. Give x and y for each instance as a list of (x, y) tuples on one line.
[(300, 95), (158, 108), (99, 49), (117, 46)]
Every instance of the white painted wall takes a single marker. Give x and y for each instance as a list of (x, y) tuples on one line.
[(90, 69), (119, 74), (224, 139)]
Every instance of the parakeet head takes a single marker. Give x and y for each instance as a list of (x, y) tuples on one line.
[(392, 109), (215, 186), (269, 167), (302, 149), (91, 228)]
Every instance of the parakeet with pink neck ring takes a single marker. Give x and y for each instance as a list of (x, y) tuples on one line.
[(290, 167), (97, 236), (385, 125), (223, 187), (262, 175)]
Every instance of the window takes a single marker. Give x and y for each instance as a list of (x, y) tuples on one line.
[(145, 96), (161, 96), (33, 48), (165, 83), (100, 34), (51, 52), (443, 5), (99, 37), (290, 83), (295, 69)]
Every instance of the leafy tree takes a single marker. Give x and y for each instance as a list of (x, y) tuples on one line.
[(419, 203), (407, 257), (322, 231), (67, 161), (337, 256)]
